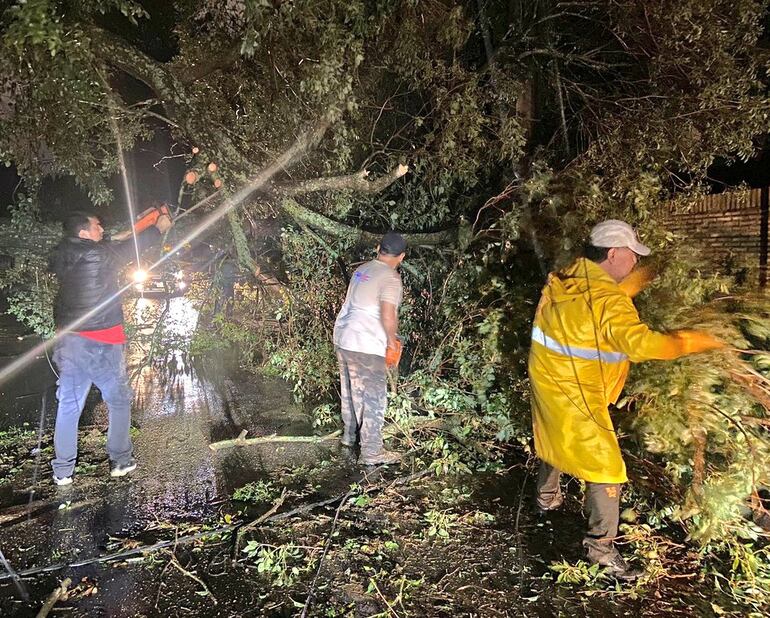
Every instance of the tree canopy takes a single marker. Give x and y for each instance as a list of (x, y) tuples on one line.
[(464, 93)]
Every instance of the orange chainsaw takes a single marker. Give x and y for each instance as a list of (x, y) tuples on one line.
[(150, 217)]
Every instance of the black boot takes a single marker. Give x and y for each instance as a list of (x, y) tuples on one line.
[(616, 566)]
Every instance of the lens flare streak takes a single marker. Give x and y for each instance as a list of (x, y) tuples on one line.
[(258, 181)]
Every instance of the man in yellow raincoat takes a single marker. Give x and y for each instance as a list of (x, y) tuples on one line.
[(586, 333)]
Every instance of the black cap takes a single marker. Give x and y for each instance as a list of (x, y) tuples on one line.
[(393, 244)]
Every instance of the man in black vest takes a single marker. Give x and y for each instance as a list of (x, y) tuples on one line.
[(89, 318)]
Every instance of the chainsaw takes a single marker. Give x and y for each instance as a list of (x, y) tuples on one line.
[(150, 217)]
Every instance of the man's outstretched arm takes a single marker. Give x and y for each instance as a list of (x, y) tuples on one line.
[(628, 334), (122, 245)]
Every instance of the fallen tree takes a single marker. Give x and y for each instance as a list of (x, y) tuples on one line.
[(568, 114)]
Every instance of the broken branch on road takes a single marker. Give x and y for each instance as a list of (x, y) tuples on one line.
[(242, 440)]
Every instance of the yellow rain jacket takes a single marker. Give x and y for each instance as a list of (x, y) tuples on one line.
[(586, 333)]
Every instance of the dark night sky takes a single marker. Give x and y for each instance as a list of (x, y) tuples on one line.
[(755, 172)]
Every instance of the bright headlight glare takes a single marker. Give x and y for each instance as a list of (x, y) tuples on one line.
[(179, 275), (139, 276)]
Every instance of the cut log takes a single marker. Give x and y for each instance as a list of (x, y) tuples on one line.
[(58, 593), (242, 440)]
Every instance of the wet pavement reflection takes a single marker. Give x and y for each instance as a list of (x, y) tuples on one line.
[(180, 407)]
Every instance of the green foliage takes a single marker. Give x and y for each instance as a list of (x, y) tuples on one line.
[(444, 459), (358, 497), (34, 308), (440, 523), (55, 121), (206, 341), (281, 565), (222, 333), (256, 492), (29, 287), (40, 23), (698, 414), (587, 575), (14, 450), (748, 581), (14, 435), (85, 468), (403, 587), (37, 23), (325, 415), (301, 349), (361, 501)]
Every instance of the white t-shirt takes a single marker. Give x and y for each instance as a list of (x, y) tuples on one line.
[(358, 327)]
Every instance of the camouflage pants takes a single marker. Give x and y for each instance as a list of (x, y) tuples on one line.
[(363, 389), (602, 506)]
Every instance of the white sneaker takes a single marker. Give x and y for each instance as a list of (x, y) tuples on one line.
[(67, 480), (119, 470)]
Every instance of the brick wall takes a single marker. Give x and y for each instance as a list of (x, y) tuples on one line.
[(730, 228)]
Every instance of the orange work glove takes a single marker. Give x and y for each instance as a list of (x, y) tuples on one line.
[(393, 354), (638, 280), (694, 341)]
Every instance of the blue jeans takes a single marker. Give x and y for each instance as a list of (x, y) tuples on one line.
[(81, 363)]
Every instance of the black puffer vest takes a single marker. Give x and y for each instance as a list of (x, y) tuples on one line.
[(88, 280)]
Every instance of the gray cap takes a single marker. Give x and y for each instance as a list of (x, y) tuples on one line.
[(393, 244), (614, 233)]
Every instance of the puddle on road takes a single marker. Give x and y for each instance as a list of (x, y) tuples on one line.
[(180, 408), (21, 397)]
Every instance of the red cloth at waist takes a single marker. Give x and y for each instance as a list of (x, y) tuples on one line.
[(114, 334)]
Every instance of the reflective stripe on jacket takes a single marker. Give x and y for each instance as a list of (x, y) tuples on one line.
[(586, 331)]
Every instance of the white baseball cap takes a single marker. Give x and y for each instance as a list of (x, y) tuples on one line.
[(614, 233)]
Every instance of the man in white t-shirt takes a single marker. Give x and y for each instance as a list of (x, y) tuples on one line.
[(365, 332)]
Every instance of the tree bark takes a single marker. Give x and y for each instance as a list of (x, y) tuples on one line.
[(217, 63), (357, 183)]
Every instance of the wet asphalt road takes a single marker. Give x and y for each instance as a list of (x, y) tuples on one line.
[(180, 408), (20, 397)]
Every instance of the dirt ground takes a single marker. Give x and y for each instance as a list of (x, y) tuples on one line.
[(306, 531)]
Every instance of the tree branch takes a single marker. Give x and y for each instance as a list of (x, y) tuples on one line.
[(116, 52), (341, 230), (173, 94), (568, 58), (357, 183), (177, 101), (217, 63), (181, 107)]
